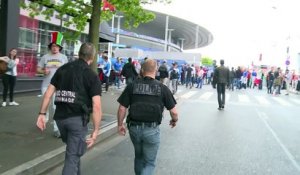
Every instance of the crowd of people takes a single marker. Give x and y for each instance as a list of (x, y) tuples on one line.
[(191, 76), (170, 75), (273, 79)]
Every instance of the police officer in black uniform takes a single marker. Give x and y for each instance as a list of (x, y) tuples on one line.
[(77, 92), (146, 99)]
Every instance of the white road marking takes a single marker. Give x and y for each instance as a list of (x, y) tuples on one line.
[(282, 101), (263, 117), (296, 101), (227, 97), (244, 98), (262, 100), (188, 94), (206, 96)]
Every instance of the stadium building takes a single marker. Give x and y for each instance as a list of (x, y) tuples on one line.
[(166, 37)]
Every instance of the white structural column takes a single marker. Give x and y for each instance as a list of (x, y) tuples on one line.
[(181, 40), (112, 23), (170, 39), (166, 33), (197, 37), (118, 29)]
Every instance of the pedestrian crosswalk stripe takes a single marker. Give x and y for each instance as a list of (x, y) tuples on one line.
[(282, 102), (227, 97), (296, 101), (243, 98), (262, 100), (206, 96), (189, 94)]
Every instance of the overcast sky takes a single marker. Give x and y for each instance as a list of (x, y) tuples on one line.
[(242, 29)]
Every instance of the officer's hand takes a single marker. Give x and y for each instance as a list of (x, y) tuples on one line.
[(173, 123), (122, 130), (41, 122), (92, 140)]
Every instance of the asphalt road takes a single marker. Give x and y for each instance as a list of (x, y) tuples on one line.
[(256, 134)]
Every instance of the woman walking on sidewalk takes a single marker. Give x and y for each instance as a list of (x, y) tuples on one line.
[(9, 78)]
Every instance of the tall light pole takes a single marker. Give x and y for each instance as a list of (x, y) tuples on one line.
[(170, 37)]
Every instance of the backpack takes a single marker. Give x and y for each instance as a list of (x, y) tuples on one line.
[(3, 67), (174, 74)]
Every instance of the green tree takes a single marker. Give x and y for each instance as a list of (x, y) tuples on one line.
[(82, 12), (206, 61)]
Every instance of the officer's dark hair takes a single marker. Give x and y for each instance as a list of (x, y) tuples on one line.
[(129, 59), (222, 62), (149, 66), (87, 51)]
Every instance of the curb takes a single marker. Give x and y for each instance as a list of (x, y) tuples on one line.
[(53, 158)]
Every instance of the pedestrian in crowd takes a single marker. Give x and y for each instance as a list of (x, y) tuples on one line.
[(193, 77), (145, 116), (231, 79), (106, 70), (221, 80), (174, 75), (288, 81), (188, 79), (77, 91), (183, 74), (294, 80), (244, 79), (117, 67), (9, 78), (209, 75), (238, 76), (48, 65), (249, 76), (129, 71), (270, 80), (253, 78), (278, 79), (164, 73), (199, 79)]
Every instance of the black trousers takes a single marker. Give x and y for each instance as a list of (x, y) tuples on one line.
[(221, 93), (9, 82)]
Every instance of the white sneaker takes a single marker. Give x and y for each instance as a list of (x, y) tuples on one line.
[(13, 103), (3, 104)]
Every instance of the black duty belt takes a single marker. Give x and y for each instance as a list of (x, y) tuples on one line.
[(149, 124)]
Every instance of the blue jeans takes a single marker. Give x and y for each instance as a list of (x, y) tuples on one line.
[(146, 140), (199, 82)]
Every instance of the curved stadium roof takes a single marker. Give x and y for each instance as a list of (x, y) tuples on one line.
[(183, 29)]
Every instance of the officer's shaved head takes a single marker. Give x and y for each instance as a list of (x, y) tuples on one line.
[(149, 66), (87, 51)]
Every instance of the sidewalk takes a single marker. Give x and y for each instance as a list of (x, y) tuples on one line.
[(21, 141)]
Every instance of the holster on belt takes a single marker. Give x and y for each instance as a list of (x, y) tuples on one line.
[(86, 115)]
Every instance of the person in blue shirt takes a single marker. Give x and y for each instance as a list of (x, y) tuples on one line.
[(117, 67), (106, 70)]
